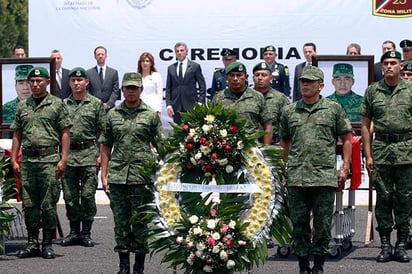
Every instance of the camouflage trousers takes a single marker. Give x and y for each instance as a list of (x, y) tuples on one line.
[(129, 223), (393, 185), (319, 201), (79, 189), (40, 193)]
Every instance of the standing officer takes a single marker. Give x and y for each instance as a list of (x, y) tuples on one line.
[(80, 179), (219, 76), (130, 132), (388, 103), (406, 46), (41, 124), (309, 128), (280, 72), (406, 71)]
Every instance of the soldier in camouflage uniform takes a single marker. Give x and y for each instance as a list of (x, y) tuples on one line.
[(280, 72), (406, 71), (248, 103), (22, 89), (275, 101), (308, 130), (80, 179), (388, 103), (41, 124), (343, 81), (131, 129), (219, 76)]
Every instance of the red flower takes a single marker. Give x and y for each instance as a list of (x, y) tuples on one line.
[(228, 148), (189, 146), (189, 166), (211, 241), (215, 140), (209, 168), (213, 212), (209, 261), (233, 129), (214, 156), (224, 228), (202, 140), (185, 127), (230, 243)]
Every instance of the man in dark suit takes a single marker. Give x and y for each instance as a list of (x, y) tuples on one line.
[(377, 69), (183, 78), (103, 80), (62, 76), (309, 50)]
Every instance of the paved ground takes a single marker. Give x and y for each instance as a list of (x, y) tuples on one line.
[(102, 259)]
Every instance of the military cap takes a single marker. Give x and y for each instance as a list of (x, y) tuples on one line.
[(38, 72), (78, 72), (132, 79), (235, 66), (342, 70), (262, 66), (312, 73), (228, 54), (22, 71), (269, 48), (391, 54), (407, 66), (406, 44)]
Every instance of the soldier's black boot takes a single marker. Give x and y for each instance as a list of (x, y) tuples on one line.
[(47, 249), (74, 236), (33, 247), (86, 232), (400, 253), (124, 265), (386, 248), (138, 267), (318, 262), (304, 267)]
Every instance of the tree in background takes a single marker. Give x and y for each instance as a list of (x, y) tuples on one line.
[(13, 26)]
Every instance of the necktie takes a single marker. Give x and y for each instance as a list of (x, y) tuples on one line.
[(59, 78), (180, 70), (101, 75)]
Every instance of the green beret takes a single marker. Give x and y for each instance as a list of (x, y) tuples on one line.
[(312, 73), (78, 72), (391, 54), (406, 44), (269, 48), (132, 79), (407, 66), (236, 67), (262, 66), (228, 54), (38, 72), (342, 70), (22, 71)]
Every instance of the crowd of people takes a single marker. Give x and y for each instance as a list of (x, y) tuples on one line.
[(66, 139)]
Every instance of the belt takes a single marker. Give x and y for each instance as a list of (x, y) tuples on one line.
[(82, 145), (393, 137), (37, 152)]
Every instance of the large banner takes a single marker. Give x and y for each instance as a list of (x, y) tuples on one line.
[(129, 27)]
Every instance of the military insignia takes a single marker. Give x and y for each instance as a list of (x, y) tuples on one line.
[(270, 48), (264, 65), (78, 73), (36, 72), (392, 8), (392, 54), (286, 71), (240, 67), (409, 67)]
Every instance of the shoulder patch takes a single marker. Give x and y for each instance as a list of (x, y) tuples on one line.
[(286, 71)]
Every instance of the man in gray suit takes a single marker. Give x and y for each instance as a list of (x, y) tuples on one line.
[(309, 50), (181, 89), (103, 80), (63, 89)]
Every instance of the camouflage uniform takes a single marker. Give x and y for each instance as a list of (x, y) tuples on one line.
[(9, 110), (275, 102), (391, 113), (80, 179), (129, 131), (251, 106), (350, 103), (312, 180), (40, 127), (280, 81)]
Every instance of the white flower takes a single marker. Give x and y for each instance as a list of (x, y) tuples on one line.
[(208, 268), (216, 249), (223, 255), (205, 149), (182, 147), (240, 145), (199, 253), (200, 246), (179, 239), (222, 162), (230, 264), (210, 118), (232, 224), (189, 260), (216, 236), (229, 169), (223, 133), (193, 161), (198, 156), (193, 219), (211, 224), (197, 230), (192, 132), (206, 128)]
